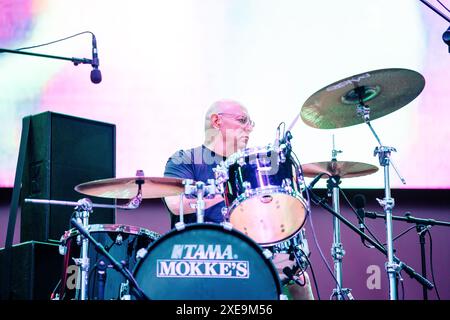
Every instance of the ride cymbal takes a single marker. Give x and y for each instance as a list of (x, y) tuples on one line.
[(380, 91)]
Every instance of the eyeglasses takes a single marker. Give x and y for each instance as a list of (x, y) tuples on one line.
[(244, 121)]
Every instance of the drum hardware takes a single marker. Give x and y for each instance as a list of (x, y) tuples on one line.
[(200, 190), (337, 249), (82, 211), (401, 265), (124, 293), (384, 156), (387, 90), (422, 226), (334, 170), (101, 271)]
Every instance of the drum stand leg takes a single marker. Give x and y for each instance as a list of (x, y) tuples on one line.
[(392, 268), (82, 216), (387, 203), (337, 250)]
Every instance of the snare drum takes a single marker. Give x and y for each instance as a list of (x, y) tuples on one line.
[(121, 241), (205, 261), (262, 189)]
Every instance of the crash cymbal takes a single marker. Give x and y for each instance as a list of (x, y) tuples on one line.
[(343, 169), (383, 91), (127, 188)]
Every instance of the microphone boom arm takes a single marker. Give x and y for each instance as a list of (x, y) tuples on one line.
[(76, 61)]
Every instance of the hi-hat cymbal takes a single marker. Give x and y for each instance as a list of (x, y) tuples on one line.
[(343, 169), (127, 188), (383, 91)]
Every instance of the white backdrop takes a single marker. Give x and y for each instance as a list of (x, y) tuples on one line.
[(165, 62)]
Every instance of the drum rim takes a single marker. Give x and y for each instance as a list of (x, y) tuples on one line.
[(119, 228), (201, 226), (232, 159), (262, 191)]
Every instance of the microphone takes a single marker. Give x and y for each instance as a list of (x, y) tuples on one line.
[(359, 202), (96, 75)]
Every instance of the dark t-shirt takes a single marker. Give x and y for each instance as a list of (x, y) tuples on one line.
[(196, 164)]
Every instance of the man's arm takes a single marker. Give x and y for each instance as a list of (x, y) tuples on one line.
[(180, 165)]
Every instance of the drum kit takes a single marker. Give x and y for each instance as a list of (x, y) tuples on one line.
[(266, 208)]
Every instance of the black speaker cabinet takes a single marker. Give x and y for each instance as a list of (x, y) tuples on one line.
[(62, 152), (35, 270)]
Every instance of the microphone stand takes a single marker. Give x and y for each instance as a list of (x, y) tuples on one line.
[(401, 265), (76, 61), (422, 225)]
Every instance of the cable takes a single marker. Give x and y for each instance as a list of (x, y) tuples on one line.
[(365, 226), (52, 296), (312, 273), (443, 5), (401, 234), (403, 288), (431, 265), (46, 44)]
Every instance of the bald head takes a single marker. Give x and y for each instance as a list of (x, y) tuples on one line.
[(223, 106)]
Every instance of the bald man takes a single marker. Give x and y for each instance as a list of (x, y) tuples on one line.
[(227, 130)]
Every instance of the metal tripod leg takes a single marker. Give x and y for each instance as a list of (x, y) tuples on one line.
[(337, 249)]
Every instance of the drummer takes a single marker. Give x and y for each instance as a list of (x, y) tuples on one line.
[(227, 130)]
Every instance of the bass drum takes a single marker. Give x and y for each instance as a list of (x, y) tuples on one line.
[(207, 261)]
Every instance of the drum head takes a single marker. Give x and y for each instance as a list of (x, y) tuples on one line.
[(206, 262), (269, 218)]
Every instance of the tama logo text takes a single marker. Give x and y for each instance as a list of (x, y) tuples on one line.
[(200, 251), (202, 261)]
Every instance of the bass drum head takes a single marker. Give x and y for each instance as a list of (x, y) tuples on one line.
[(207, 262)]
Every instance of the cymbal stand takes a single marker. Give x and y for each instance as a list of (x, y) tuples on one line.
[(337, 249), (384, 156)]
